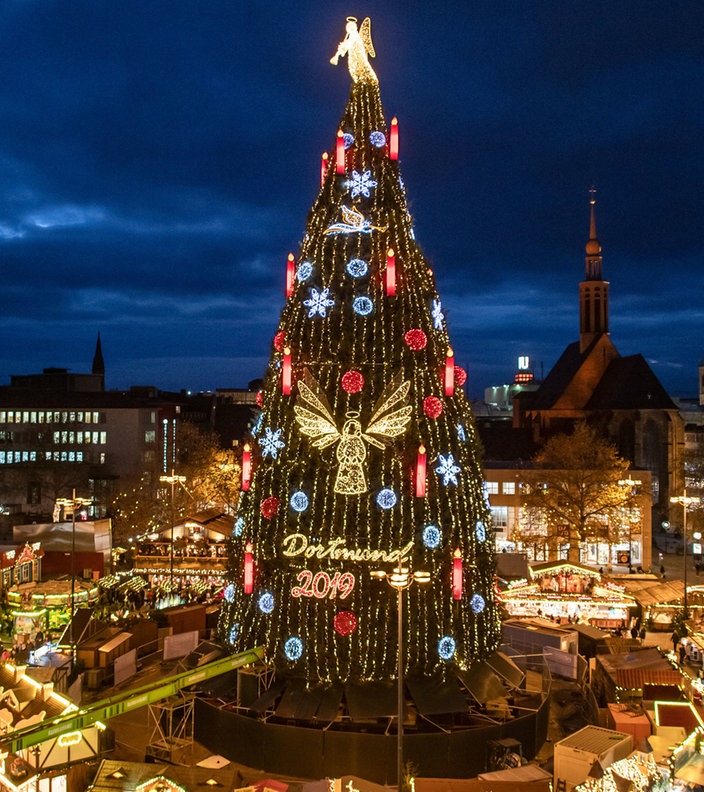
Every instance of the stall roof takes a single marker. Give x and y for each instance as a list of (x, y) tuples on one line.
[(654, 592), (114, 642)]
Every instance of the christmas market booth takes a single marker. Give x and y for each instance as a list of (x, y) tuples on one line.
[(659, 601), (196, 559), (564, 591)]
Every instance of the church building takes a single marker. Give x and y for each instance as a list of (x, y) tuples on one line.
[(621, 396)]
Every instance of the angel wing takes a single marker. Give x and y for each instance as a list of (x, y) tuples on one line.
[(313, 414), (385, 421), (365, 33), (351, 216)]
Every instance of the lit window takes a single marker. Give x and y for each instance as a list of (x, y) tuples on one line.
[(72, 417), (79, 437), (88, 417), (102, 457), (64, 456), (96, 417), (25, 417), (103, 438), (96, 437), (150, 436), (71, 456), (57, 438), (79, 456), (2, 457), (33, 417), (64, 437), (508, 488), (499, 517), (10, 417), (3, 416), (491, 487), (79, 417), (64, 417), (32, 456), (72, 437)]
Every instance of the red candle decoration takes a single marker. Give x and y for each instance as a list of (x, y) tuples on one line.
[(248, 569), (393, 139), (390, 273), (460, 376), (269, 507), (345, 623), (352, 381), (432, 406), (286, 373), (415, 339), (457, 575), (259, 398), (340, 153), (323, 167), (246, 467), (290, 274), (279, 340), (449, 379), (420, 472)]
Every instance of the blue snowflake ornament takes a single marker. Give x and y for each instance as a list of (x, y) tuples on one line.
[(480, 531), (357, 267), (271, 443), (234, 632), (304, 271), (447, 469), (239, 526), (299, 501), (446, 647), (431, 537), (266, 602), (477, 603), (229, 593), (360, 183), (319, 302), (461, 434), (377, 138), (293, 648), (362, 306)]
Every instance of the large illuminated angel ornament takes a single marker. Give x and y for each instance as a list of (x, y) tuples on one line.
[(315, 420), (357, 44)]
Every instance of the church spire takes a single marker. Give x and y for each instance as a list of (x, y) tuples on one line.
[(593, 290), (98, 362)]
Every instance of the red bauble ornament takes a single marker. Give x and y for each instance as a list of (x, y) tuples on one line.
[(279, 340), (352, 382), (270, 506), (259, 398), (432, 406), (460, 376), (415, 339), (345, 622)]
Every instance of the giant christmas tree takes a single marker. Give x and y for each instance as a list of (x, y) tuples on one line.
[(365, 457)]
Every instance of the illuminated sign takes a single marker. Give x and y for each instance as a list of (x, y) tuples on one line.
[(321, 585), (297, 544), (72, 738)]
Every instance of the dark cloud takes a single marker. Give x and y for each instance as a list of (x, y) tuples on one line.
[(158, 160)]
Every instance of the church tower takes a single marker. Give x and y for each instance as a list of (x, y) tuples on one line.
[(99, 363), (593, 290)]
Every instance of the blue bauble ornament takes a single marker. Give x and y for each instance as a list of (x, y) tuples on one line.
[(293, 648), (446, 647), (386, 499), (431, 536), (362, 306)]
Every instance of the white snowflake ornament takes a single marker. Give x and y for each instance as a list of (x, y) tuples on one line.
[(447, 469), (319, 302), (271, 443), (360, 183)]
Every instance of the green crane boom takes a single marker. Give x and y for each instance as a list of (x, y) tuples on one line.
[(124, 702)]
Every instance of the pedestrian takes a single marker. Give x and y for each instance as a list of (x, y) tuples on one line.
[(634, 631), (641, 634), (697, 566), (683, 654), (675, 638)]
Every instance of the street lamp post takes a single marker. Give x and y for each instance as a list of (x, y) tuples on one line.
[(685, 500), (74, 503), (173, 479), (400, 579)]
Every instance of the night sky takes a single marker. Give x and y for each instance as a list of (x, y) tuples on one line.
[(158, 159)]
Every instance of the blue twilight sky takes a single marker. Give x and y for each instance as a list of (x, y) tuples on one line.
[(158, 159)]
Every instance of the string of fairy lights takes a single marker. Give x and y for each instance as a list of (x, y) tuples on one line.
[(336, 459)]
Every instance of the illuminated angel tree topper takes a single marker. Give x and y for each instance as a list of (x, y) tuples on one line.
[(346, 404)]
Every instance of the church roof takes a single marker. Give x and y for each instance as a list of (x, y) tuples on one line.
[(559, 377), (630, 384), (627, 384)]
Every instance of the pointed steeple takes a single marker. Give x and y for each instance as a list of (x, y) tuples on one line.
[(98, 362), (593, 290)]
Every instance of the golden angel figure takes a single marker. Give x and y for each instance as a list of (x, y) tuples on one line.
[(315, 420), (357, 44)]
